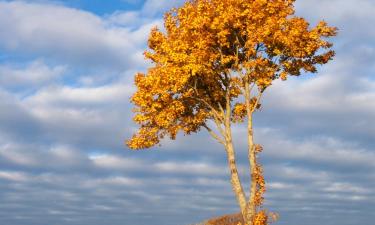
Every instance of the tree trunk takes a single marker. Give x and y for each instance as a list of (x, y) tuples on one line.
[(251, 208), (250, 108), (235, 180)]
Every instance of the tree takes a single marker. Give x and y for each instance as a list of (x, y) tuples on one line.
[(210, 68)]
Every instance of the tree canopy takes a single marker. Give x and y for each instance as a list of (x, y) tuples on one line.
[(211, 50)]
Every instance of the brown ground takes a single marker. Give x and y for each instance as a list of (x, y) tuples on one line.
[(232, 219)]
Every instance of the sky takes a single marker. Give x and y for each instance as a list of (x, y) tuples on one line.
[(66, 76)]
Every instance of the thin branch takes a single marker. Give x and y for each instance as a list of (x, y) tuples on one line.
[(217, 115), (257, 101), (228, 111), (247, 98), (221, 108), (218, 126), (214, 135)]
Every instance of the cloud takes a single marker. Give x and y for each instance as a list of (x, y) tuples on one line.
[(86, 116), (67, 35), (190, 168), (321, 151), (79, 96), (117, 162), (13, 176), (153, 7), (34, 75), (339, 104), (15, 120), (344, 10)]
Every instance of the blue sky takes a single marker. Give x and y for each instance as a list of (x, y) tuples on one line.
[(66, 75)]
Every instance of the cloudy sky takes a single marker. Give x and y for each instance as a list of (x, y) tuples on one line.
[(66, 75)]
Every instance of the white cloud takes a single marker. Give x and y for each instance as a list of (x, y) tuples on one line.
[(110, 181), (338, 187), (65, 34), (190, 168), (126, 18), (32, 75), (154, 7), (340, 103), (96, 115), (79, 96), (324, 93), (10, 153), (337, 11), (318, 150), (280, 185), (13, 176), (291, 173), (15, 119), (117, 162), (42, 156), (120, 163)]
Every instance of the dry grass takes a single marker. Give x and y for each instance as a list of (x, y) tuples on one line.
[(230, 219)]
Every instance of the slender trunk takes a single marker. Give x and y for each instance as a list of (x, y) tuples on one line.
[(251, 208), (235, 180)]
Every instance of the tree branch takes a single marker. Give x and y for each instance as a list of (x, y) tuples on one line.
[(214, 135), (218, 117), (227, 113), (257, 101)]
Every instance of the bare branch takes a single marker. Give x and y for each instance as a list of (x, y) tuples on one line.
[(214, 135), (221, 108), (227, 112), (218, 118), (216, 113), (260, 94), (218, 126)]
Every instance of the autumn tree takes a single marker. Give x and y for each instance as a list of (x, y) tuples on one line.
[(211, 65)]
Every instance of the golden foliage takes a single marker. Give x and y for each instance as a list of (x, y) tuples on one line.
[(239, 112), (213, 47)]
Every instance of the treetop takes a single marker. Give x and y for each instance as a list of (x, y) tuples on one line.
[(209, 52)]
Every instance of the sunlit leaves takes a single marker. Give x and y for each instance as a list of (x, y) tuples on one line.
[(213, 47)]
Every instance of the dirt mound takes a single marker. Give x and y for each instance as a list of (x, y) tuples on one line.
[(230, 219)]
